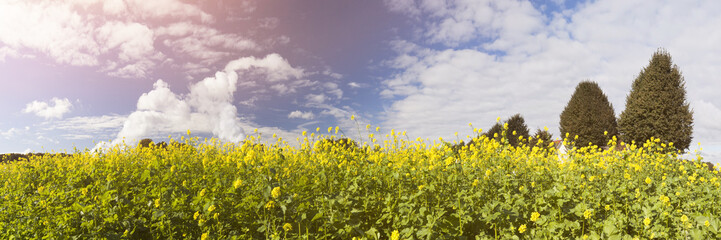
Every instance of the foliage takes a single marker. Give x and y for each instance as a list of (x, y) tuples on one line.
[(514, 129), (542, 138), (656, 106), (146, 142), (589, 115), (402, 190)]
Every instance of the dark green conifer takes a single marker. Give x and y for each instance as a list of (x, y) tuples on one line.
[(516, 127), (656, 106), (589, 115)]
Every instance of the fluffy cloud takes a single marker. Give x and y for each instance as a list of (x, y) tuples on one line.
[(207, 108), (56, 109), (514, 59), (120, 38), (302, 115)]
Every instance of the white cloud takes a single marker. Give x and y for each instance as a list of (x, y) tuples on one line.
[(203, 43), (207, 108), (316, 98), (531, 63), (53, 29), (302, 115), (89, 124), (117, 36), (456, 22), (7, 52), (282, 89), (56, 109), (9, 133)]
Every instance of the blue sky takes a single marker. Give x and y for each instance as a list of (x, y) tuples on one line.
[(79, 72)]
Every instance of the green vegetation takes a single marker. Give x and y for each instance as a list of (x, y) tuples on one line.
[(399, 190), (589, 116), (656, 106), (513, 130)]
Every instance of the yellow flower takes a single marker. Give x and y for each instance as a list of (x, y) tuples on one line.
[(287, 227), (276, 192), (520, 189), (522, 228), (608, 207), (535, 216), (646, 221), (269, 205), (684, 218), (157, 203), (648, 180), (211, 208), (588, 213), (204, 236), (196, 215), (202, 192), (475, 182), (585, 236), (237, 183), (395, 235), (706, 223)]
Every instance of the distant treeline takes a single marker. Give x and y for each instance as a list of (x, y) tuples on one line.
[(12, 157)]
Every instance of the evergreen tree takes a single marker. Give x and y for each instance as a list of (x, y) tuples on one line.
[(145, 142), (589, 115), (495, 132), (656, 106), (516, 128), (541, 139)]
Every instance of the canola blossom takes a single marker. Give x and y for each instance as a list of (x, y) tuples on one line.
[(387, 188)]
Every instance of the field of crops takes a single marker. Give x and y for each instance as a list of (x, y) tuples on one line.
[(388, 188)]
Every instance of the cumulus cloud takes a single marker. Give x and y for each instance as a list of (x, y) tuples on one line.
[(207, 108), (499, 58), (302, 115), (55, 109)]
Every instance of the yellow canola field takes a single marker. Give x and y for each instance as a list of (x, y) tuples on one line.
[(391, 188)]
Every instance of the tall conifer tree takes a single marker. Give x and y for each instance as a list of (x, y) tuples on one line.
[(589, 115), (656, 106)]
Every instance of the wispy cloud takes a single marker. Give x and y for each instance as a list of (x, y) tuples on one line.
[(302, 115)]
